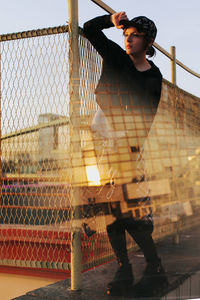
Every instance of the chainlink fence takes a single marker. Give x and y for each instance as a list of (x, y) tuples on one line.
[(117, 170)]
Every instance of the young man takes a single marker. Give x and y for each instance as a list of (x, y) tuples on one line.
[(132, 72)]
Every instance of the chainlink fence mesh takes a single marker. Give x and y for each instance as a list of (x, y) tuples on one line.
[(117, 168)]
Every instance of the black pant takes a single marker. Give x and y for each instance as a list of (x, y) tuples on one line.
[(141, 232)]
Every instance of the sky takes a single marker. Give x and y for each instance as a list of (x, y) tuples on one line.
[(177, 21)]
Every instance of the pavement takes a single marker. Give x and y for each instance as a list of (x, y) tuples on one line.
[(180, 261)]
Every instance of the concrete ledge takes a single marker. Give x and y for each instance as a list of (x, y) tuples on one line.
[(181, 262)]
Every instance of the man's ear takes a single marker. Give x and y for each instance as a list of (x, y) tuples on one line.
[(150, 42)]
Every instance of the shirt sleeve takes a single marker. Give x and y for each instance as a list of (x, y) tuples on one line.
[(108, 49)]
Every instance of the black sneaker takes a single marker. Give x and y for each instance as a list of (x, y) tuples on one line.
[(153, 282), (122, 279)]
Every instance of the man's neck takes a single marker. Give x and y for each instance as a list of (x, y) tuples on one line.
[(140, 62)]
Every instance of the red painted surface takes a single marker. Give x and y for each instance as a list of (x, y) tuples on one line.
[(47, 246), (34, 245)]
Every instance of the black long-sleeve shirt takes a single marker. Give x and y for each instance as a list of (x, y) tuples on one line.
[(121, 83)]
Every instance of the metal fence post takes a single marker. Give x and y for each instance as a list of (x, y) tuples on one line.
[(1, 173), (173, 65), (75, 142)]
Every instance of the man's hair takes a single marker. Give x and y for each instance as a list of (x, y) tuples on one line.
[(151, 51)]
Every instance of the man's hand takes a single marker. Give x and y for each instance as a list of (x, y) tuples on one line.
[(117, 17)]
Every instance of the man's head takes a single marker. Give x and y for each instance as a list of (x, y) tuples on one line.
[(145, 30)]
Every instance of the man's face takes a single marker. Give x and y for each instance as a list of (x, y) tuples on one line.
[(134, 41)]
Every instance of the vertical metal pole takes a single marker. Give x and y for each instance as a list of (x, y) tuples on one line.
[(1, 173), (74, 82), (173, 65)]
